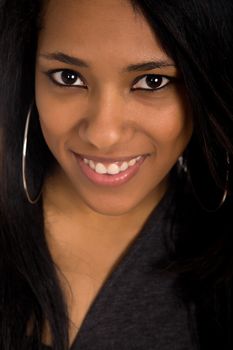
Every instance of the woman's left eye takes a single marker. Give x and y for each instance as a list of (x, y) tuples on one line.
[(151, 82), (66, 78)]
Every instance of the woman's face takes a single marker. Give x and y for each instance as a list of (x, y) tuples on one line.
[(111, 103)]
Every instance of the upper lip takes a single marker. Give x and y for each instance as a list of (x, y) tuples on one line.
[(105, 159)]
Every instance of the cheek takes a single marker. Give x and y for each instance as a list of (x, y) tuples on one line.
[(171, 125), (47, 109), (175, 125), (57, 113)]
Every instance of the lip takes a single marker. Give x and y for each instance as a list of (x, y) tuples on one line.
[(106, 179)]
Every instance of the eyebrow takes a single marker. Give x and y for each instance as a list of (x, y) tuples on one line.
[(142, 66), (64, 58), (149, 65)]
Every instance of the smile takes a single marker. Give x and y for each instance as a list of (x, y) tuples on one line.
[(113, 168), (107, 172)]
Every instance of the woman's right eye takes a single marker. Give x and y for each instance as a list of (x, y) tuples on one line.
[(66, 78)]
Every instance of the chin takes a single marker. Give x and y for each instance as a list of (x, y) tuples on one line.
[(111, 208)]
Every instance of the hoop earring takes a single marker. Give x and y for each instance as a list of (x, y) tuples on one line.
[(225, 193), (183, 165), (24, 155)]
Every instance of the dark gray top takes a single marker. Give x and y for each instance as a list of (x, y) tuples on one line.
[(138, 307)]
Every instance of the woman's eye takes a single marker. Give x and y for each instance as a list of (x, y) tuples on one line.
[(151, 82), (67, 78)]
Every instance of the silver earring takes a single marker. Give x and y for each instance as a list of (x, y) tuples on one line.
[(225, 193), (182, 166), (24, 155)]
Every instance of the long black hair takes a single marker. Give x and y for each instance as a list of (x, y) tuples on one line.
[(197, 34)]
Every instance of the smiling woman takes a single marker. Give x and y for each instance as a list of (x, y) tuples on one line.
[(129, 122), (116, 190)]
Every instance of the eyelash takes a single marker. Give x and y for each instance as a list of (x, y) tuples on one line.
[(77, 76), (51, 73)]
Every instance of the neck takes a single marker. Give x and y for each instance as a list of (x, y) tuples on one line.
[(61, 200), (74, 229)]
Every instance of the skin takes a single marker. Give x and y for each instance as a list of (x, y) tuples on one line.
[(108, 118)]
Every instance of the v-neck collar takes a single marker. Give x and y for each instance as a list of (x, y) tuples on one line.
[(130, 256)]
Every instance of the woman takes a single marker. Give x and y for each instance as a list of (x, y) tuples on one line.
[(116, 154)]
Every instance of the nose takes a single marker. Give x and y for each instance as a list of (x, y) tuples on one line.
[(105, 124)]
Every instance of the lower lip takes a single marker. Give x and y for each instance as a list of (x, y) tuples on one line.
[(106, 179)]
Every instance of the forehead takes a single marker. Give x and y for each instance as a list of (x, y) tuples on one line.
[(97, 27)]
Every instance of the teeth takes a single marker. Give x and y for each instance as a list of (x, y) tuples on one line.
[(100, 168), (124, 166), (132, 162), (92, 164), (111, 169)]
